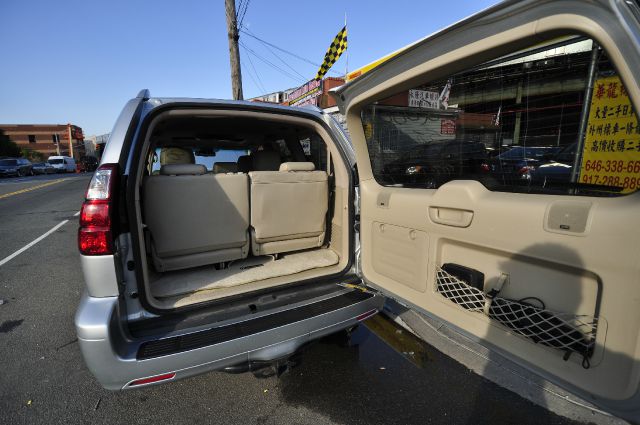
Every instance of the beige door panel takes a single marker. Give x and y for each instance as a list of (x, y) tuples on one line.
[(575, 274), (399, 254)]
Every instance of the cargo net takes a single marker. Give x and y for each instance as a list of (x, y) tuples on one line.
[(528, 317)]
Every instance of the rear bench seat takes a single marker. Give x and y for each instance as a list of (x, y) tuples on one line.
[(195, 218), (288, 208)]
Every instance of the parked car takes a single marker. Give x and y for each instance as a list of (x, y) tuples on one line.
[(43, 168), (63, 164), (288, 283), (514, 166), (556, 169), (433, 164), (15, 167), (191, 270)]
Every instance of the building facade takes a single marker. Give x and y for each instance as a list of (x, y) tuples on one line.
[(313, 92), (48, 139)]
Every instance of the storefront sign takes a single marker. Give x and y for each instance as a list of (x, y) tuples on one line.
[(423, 99), (307, 94), (447, 127), (611, 155)]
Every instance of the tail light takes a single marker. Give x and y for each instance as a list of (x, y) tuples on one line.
[(526, 169), (95, 235)]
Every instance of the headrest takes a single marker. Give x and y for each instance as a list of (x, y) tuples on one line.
[(225, 167), (265, 161), (176, 156), (297, 166), (244, 163), (183, 170)]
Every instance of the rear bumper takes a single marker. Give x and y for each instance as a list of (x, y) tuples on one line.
[(116, 361)]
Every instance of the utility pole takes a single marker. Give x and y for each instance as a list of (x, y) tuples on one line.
[(234, 52), (70, 140)]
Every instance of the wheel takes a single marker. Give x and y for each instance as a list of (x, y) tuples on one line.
[(19, 173), (31, 173)]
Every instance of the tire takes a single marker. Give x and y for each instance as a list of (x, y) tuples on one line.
[(19, 173)]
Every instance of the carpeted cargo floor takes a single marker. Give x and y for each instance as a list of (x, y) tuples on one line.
[(171, 284)]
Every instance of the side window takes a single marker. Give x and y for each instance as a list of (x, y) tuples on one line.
[(155, 161), (285, 153), (552, 119), (315, 150)]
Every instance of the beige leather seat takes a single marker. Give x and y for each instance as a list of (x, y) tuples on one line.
[(288, 208), (196, 218), (173, 155)]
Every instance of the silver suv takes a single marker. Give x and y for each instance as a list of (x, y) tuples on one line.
[(216, 235), (226, 235)]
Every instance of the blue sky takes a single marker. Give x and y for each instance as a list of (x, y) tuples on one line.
[(80, 61)]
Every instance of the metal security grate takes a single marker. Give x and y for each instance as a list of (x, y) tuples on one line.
[(564, 331)]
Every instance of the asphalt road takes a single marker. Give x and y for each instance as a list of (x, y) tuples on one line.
[(340, 380)]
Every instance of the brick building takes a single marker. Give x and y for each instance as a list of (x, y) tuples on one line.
[(40, 138)]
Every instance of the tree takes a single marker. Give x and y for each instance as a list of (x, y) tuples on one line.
[(7, 147), (33, 156)]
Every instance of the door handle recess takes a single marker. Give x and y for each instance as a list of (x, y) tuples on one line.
[(451, 216)]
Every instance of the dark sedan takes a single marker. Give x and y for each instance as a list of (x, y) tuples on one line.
[(558, 168), (515, 166), (15, 167), (433, 164)]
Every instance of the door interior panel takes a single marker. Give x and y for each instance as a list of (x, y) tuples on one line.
[(401, 254), (464, 138), (594, 274)]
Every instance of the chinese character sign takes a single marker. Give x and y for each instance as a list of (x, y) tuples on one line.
[(611, 155), (423, 99)]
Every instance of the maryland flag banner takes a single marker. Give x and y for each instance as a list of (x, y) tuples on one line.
[(338, 46)]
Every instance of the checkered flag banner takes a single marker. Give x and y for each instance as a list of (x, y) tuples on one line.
[(334, 51)]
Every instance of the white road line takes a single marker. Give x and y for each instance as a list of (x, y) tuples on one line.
[(77, 214), (30, 244)]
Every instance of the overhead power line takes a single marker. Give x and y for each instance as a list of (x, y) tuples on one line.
[(266, 43), (257, 80), (285, 62), (268, 62), (241, 19)]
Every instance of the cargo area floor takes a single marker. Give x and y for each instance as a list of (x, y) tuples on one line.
[(240, 272)]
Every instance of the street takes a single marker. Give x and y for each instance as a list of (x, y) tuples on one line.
[(360, 381)]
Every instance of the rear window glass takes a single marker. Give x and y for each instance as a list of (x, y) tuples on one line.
[(220, 155), (555, 118), (56, 161)]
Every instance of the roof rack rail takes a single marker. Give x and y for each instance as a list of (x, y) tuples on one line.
[(144, 94)]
